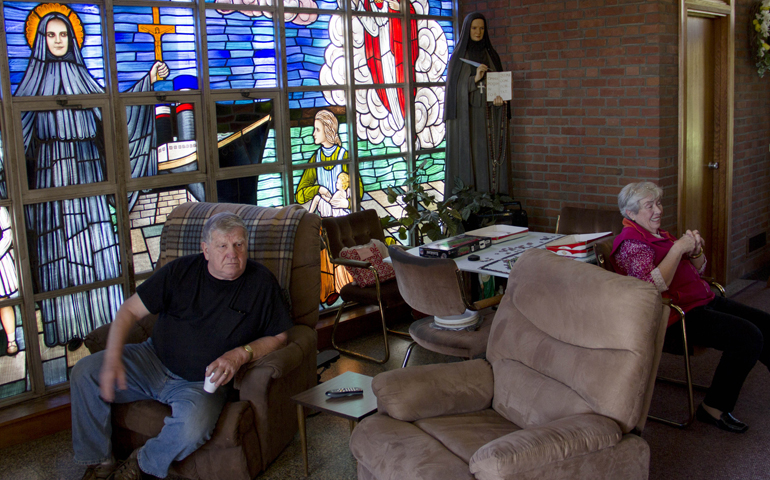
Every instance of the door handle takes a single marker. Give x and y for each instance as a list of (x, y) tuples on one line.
[(713, 165)]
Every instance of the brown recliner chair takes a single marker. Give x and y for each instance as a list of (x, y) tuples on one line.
[(568, 377), (259, 421)]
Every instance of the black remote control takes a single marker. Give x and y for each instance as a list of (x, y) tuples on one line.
[(345, 392)]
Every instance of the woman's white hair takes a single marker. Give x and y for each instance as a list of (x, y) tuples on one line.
[(632, 194)]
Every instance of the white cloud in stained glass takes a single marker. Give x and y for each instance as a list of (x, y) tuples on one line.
[(295, 17), (381, 112)]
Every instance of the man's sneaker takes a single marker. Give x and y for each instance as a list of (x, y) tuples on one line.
[(129, 470), (99, 471)]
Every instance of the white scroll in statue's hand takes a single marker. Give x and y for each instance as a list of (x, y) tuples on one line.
[(499, 84)]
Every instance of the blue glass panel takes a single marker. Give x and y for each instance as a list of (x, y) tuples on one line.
[(86, 68), (74, 242), (241, 50), (145, 36), (306, 45)]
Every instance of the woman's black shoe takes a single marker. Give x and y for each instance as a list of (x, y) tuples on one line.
[(726, 421)]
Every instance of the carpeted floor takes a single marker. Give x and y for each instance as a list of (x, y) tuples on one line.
[(699, 451)]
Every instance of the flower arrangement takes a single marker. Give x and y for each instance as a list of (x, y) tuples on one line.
[(759, 31)]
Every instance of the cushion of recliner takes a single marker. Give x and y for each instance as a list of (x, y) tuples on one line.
[(464, 434), (391, 449), (423, 391), (554, 442), (146, 418)]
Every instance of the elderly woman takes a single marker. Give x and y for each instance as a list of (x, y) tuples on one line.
[(674, 266)]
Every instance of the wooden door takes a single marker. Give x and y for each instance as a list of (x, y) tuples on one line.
[(699, 138), (706, 127)]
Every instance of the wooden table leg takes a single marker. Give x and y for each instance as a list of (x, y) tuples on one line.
[(302, 434)]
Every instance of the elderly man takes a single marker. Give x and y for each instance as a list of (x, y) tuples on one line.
[(217, 311)]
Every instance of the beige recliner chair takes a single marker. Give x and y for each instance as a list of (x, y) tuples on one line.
[(259, 420), (565, 387)]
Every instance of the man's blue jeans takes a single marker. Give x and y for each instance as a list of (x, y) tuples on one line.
[(194, 412)]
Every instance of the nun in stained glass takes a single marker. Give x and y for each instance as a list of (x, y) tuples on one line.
[(476, 130), (75, 242)]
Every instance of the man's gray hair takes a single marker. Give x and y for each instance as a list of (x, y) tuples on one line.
[(633, 193), (224, 222)]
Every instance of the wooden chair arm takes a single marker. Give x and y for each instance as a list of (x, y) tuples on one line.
[(487, 302), (351, 263)]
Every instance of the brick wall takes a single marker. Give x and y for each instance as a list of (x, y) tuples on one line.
[(595, 107), (751, 159)]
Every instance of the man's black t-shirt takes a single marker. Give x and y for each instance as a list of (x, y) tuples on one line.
[(201, 317)]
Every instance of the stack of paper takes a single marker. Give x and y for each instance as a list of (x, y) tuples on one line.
[(576, 245), (500, 233)]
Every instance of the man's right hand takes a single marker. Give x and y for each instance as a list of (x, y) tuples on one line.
[(111, 375)]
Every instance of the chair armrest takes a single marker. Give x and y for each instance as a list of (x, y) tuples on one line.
[(718, 286), (351, 263), (426, 391), (531, 448), (96, 340), (284, 360), (487, 302)]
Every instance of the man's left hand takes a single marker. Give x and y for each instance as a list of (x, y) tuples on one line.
[(225, 367)]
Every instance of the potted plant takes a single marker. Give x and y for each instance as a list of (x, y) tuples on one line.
[(424, 216)]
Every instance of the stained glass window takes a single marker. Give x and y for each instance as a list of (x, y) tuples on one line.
[(76, 23), (74, 242), (13, 365), (268, 80), (162, 140), (147, 217), (241, 49), (264, 190), (245, 132), (155, 49)]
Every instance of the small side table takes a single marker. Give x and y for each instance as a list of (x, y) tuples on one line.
[(354, 409)]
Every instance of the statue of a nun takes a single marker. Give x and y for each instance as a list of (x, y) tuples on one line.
[(476, 130)]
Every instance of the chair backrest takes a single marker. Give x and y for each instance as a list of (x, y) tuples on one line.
[(603, 251), (573, 220), (429, 285), (570, 338), (286, 240), (357, 228)]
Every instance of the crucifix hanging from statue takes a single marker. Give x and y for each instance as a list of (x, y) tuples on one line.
[(476, 129)]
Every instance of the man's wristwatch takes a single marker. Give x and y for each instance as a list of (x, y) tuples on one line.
[(249, 350)]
